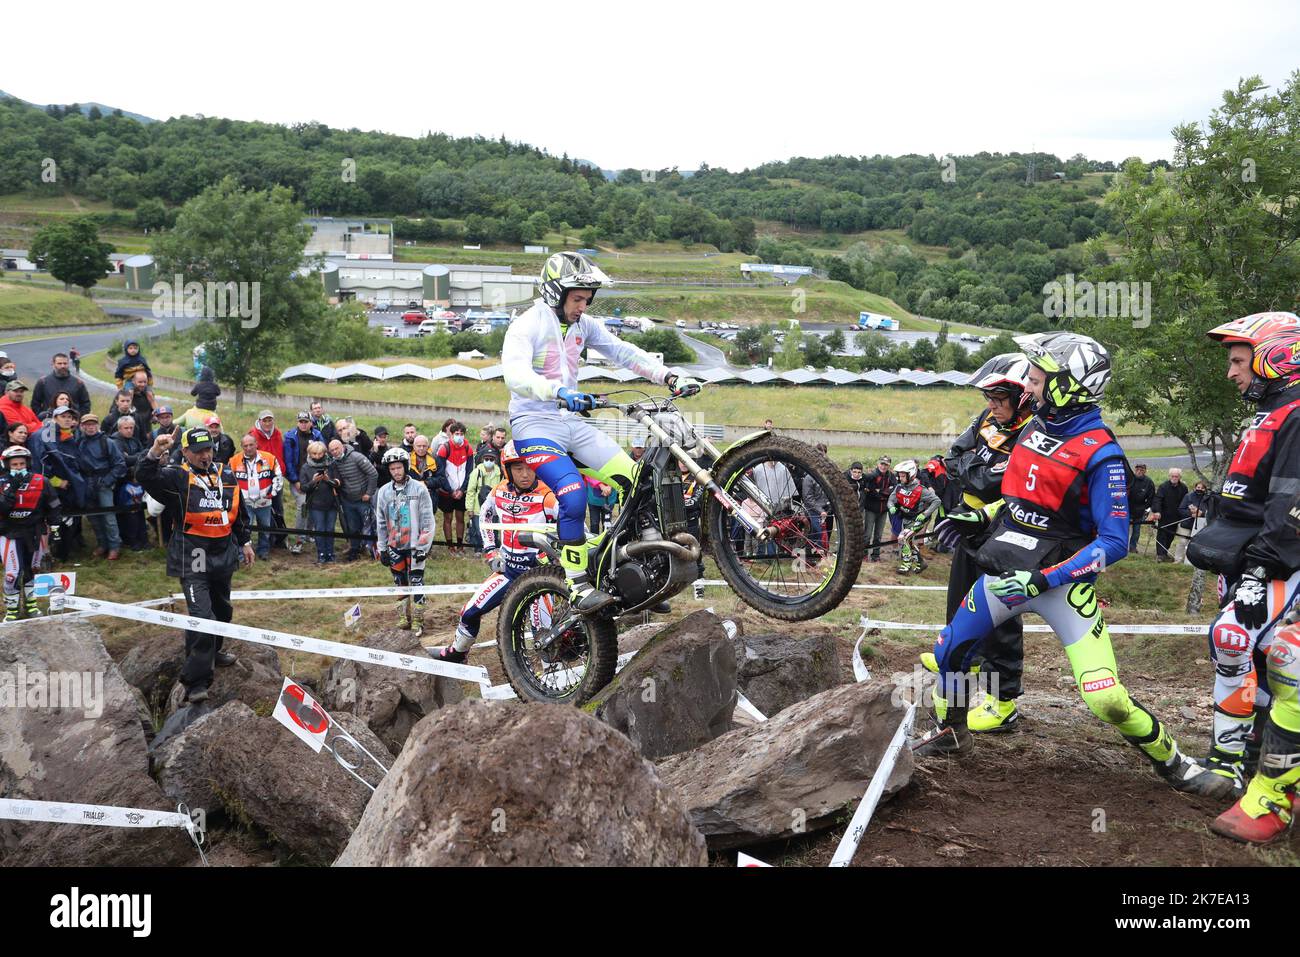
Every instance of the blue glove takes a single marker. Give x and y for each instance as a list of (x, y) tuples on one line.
[(576, 401), (1016, 588)]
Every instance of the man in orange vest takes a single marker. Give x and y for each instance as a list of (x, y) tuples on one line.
[(211, 537), (260, 481)]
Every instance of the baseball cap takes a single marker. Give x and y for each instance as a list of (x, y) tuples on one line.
[(62, 409), (885, 460), (265, 414), (212, 420), (196, 440), (163, 410), (302, 416), (490, 457), (381, 430), (16, 385), (88, 417)]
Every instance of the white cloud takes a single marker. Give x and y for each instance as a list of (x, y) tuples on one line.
[(673, 83)]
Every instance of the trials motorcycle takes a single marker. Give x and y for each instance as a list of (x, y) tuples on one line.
[(782, 521)]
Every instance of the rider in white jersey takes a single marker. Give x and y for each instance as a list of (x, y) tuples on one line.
[(540, 365)]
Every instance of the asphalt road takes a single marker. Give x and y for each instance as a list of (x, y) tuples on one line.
[(33, 356)]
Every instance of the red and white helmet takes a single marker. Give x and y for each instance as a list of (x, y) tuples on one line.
[(1274, 340), (13, 452), (509, 455)]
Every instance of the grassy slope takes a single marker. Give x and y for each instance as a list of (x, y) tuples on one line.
[(28, 307)]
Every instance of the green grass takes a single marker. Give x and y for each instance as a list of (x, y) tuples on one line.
[(63, 204), (28, 308)]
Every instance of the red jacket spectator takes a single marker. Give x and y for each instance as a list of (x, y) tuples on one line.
[(269, 438), (14, 411)]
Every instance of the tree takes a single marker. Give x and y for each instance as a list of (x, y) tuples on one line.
[(72, 252), (666, 341), (834, 342), (150, 215), (1216, 237), (230, 235)]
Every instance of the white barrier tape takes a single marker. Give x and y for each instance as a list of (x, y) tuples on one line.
[(57, 602), (1170, 629), (711, 582), (507, 693), (747, 706), (379, 591), (279, 639), (744, 860), (848, 845), (860, 670), (101, 815)]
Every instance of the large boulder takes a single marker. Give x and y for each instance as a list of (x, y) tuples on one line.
[(259, 773), (153, 665), (388, 700), (254, 679), (88, 750), (793, 772), (678, 692), (776, 671), (509, 783)]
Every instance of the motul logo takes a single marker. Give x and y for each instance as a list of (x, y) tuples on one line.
[(1099, 684)]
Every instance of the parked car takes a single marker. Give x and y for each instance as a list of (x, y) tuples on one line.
[(430, 326), (481, 328), (390, 332), (681, 323), (414, 317)]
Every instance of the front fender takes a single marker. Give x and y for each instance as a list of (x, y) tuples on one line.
[(743, 441)]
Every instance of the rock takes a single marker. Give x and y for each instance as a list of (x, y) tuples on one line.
[(90, 752), (388, 700), (1065, 681), (154, 665), (256, 771), (534, 785), (1190, 714), (775, 671), (951, 850), (254, 679), (181, 763), (793, 772), (678, 692), (635, 638)]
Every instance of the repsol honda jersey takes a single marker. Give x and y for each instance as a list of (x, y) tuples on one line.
[(1262, 484), (506, 505), (1065, 502), (978, 459)]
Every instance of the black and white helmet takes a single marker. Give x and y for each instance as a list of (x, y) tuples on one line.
[(1077, 369), (564, 272), (1005, 375), (396, 455), (906, 471)]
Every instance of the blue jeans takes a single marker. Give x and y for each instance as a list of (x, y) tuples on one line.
[(356, 520), (322, 520), (105, 526), (1135, 530), (262, 516)]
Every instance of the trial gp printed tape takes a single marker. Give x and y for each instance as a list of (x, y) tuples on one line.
[(57, 602), (279, 639), (101, 815), (848, 845), (1170, 629), (714, 582), (379, 591)]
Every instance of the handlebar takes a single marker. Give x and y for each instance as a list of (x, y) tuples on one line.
[(604, 402)]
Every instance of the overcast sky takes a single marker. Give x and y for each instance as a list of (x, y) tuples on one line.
[(666, 83)]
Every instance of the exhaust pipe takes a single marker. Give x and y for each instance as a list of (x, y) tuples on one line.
[(683, 546)]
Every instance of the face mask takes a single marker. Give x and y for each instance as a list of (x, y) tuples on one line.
[(19, 474), (458, 440)]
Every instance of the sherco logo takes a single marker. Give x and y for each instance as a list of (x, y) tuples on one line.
[(1099, 684), (1234, 489), (1026, 517), (1043, 443)]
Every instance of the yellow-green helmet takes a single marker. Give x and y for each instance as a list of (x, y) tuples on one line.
[(567, 271)]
